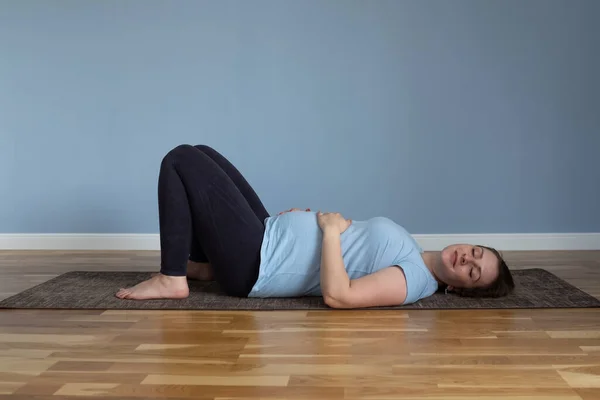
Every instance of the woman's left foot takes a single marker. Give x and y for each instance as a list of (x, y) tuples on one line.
[(158, 287)]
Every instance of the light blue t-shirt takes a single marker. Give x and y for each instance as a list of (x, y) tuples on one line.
[(291, 256)]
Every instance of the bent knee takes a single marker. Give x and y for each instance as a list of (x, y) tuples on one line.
[(179, 152), (204, 148), (183, 149)]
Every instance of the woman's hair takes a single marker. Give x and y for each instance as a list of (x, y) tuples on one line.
[(500, 287)]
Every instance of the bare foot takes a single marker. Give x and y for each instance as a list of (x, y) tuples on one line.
[(158, 287), (200, 271)]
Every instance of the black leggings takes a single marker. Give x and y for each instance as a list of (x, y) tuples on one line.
[(208, 212)]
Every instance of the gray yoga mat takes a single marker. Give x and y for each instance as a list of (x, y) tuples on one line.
[(535, 288)]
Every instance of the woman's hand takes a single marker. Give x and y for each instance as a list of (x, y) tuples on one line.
[(333, 222), (292, 210)]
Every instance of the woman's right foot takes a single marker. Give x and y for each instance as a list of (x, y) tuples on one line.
[(200, 271), (158, 287)]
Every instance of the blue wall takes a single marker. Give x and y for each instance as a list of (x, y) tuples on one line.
[(447, 116)]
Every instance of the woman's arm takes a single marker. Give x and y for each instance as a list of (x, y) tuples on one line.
[(335, 282), (386, 287)]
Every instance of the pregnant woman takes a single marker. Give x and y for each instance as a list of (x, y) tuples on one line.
[(213, 225)]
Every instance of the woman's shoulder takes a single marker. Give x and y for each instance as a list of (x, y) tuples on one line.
[(419, 281)]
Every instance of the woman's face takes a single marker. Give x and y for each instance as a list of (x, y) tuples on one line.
[(467, 266)]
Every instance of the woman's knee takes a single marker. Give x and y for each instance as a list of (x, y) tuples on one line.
[(205, 148), (180, 152), (184, 150)]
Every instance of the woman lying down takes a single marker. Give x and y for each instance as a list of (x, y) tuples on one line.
[(214, 226)]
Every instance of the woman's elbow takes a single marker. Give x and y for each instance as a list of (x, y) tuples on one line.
[(335, 303)]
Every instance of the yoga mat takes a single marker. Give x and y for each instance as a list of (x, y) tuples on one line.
[(535, 288)]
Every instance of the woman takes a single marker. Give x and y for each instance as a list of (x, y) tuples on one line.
[(212, 223)]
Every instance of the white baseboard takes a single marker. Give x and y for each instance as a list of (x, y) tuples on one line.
[(503, 242), (79, 241)]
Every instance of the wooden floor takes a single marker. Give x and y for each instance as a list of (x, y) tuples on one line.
[(483, 354)]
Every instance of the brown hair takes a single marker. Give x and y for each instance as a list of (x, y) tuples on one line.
[(500, 287)]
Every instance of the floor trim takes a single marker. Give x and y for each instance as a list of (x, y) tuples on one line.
[(503, 242)]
